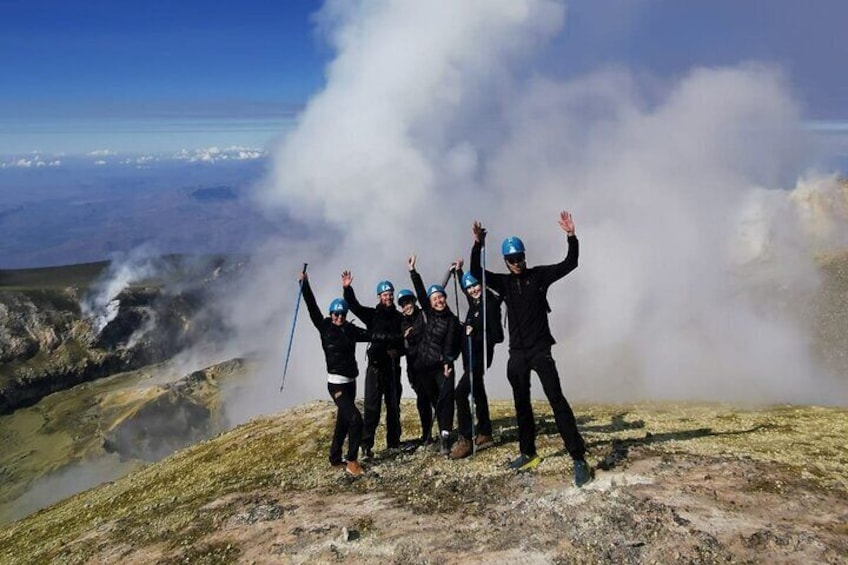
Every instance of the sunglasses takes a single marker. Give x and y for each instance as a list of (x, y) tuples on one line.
[(339, 314), (514, 259)]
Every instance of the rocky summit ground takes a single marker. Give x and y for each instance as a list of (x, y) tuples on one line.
[(674, 483)]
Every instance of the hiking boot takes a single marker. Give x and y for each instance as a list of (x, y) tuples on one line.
[(354, 469), (367, 454), (462, 448), (582, 472), (337, 462), (444, 443), (525, 462), (483, 440)]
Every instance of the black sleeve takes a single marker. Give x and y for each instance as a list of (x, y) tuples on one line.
[(493, 280), (358, 334), (311, 305), (418, 284), (364, 313), (552, 273)]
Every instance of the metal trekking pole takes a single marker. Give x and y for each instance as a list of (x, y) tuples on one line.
[(294, 321), (473, 406), (456, 292), (485, 309)]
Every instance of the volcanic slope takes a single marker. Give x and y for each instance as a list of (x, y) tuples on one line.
[(688, 483)]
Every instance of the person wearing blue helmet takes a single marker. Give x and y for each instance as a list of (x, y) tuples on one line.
[(382, 377), (412, 327), (438, 347), (473, 364), (338, 340), (524, 291)]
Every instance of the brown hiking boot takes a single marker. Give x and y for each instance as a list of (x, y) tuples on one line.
[(483, 441), (462, 448), (354, 469)]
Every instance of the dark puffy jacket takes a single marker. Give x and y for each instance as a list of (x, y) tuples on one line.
[(416, 322), (383, 323), (526, 296), (338, 342), (440, 343)]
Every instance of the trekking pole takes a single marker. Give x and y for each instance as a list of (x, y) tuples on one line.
[(294, 321), (456, 292), (485, 309), (473, 408)]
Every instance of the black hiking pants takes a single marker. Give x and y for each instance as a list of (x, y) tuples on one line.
[(444, 387), (348, 422), (382, 382), (481, 399), (426, 393), (521, 362)]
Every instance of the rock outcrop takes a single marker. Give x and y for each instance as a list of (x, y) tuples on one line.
[(48, 342)]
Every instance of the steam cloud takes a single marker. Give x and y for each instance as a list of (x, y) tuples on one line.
[(101, 304), (439, 113)]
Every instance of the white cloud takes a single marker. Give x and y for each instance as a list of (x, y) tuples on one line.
[(435, 115)]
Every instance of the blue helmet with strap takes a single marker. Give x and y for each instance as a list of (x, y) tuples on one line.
[(512, 246), (338, 306), (469, 280), (405, 293), (434, 288), (385, 286)]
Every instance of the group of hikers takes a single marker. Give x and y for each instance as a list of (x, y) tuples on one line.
[(432, 338)]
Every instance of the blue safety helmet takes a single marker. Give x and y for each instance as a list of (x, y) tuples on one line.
[(434, 288), (338, 306), (384, 286), (469, 280), (512, 246), (405, 293)]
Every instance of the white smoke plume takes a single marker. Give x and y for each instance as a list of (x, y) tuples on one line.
[(438, 113), (101, 304)]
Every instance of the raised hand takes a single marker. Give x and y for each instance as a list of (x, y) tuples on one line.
[(457, 264), (566, 223), (411, 262), (347, 279), (301, 276), (479, 232)]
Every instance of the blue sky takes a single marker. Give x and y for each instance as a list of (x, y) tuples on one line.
[(156, 75)]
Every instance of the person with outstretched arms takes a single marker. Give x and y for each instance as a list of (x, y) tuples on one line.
[(382, 377), (524, 290), (475, 365), (338, 340), (438, 349)]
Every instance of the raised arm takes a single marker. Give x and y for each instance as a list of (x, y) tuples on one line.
[(552, 273), (358, 334), (493, 280), (418, 285), (311, 303), (364, 313)]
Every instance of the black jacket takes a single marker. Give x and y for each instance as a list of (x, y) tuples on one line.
[(526, 296), (440, 343), (383, 323), (416, 321), (338, 342), (474, 319)]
